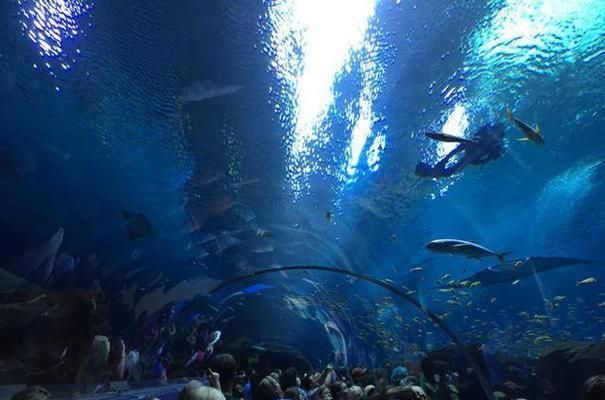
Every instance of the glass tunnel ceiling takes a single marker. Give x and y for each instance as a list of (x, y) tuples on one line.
[(287, 133)]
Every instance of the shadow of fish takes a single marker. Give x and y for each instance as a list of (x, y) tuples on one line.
[(138, 226), (199, 91), (518, 269)]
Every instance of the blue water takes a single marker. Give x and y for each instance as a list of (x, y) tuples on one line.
[(264, 134)]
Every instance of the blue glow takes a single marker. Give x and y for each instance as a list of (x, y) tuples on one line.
[(258, 287), (312, 42)]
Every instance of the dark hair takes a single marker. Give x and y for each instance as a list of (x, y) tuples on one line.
[(268, 389), (292, 393), (226, 366), (32, 393), (288, 378), (593, 388), (306, 382), (336, 388)]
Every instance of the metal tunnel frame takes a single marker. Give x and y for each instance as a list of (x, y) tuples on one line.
[(431, 315)]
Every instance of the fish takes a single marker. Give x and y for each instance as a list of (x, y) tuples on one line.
[(242, 183), (462, 247), (417, 269), (531, 134), (507, 272), (261, 233), (138, 226), (540, 339), (263, 248), (446, 137), (203, 90), (330, 217), (587, 281), (515, 282)]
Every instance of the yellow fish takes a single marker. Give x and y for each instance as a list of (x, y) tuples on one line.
[(531, 134)]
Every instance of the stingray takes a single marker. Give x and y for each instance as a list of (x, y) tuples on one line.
[(138, 225), (520, 268)]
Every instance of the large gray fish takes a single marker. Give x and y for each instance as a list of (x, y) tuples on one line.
[(458, 247), (520, 268)]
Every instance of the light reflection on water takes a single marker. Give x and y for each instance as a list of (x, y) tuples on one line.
[(523, 40), (312, 44), (50, 24)]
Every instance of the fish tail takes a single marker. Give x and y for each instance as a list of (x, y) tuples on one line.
[(509, 114), (502, 255), (538, 130)]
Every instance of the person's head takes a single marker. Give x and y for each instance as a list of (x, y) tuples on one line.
[(195, 390), (226, 367), (593, 388), (382, 383), (398, 374), (268, 389), (289, 378), (32, 393), (355, 392), (325, 393), (368, 391), (405, 393), (307, 382), (337, 389), (357, 374), (292, 393)]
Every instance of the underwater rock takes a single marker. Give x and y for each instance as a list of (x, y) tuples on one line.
[(46, 334), (567, 365)]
